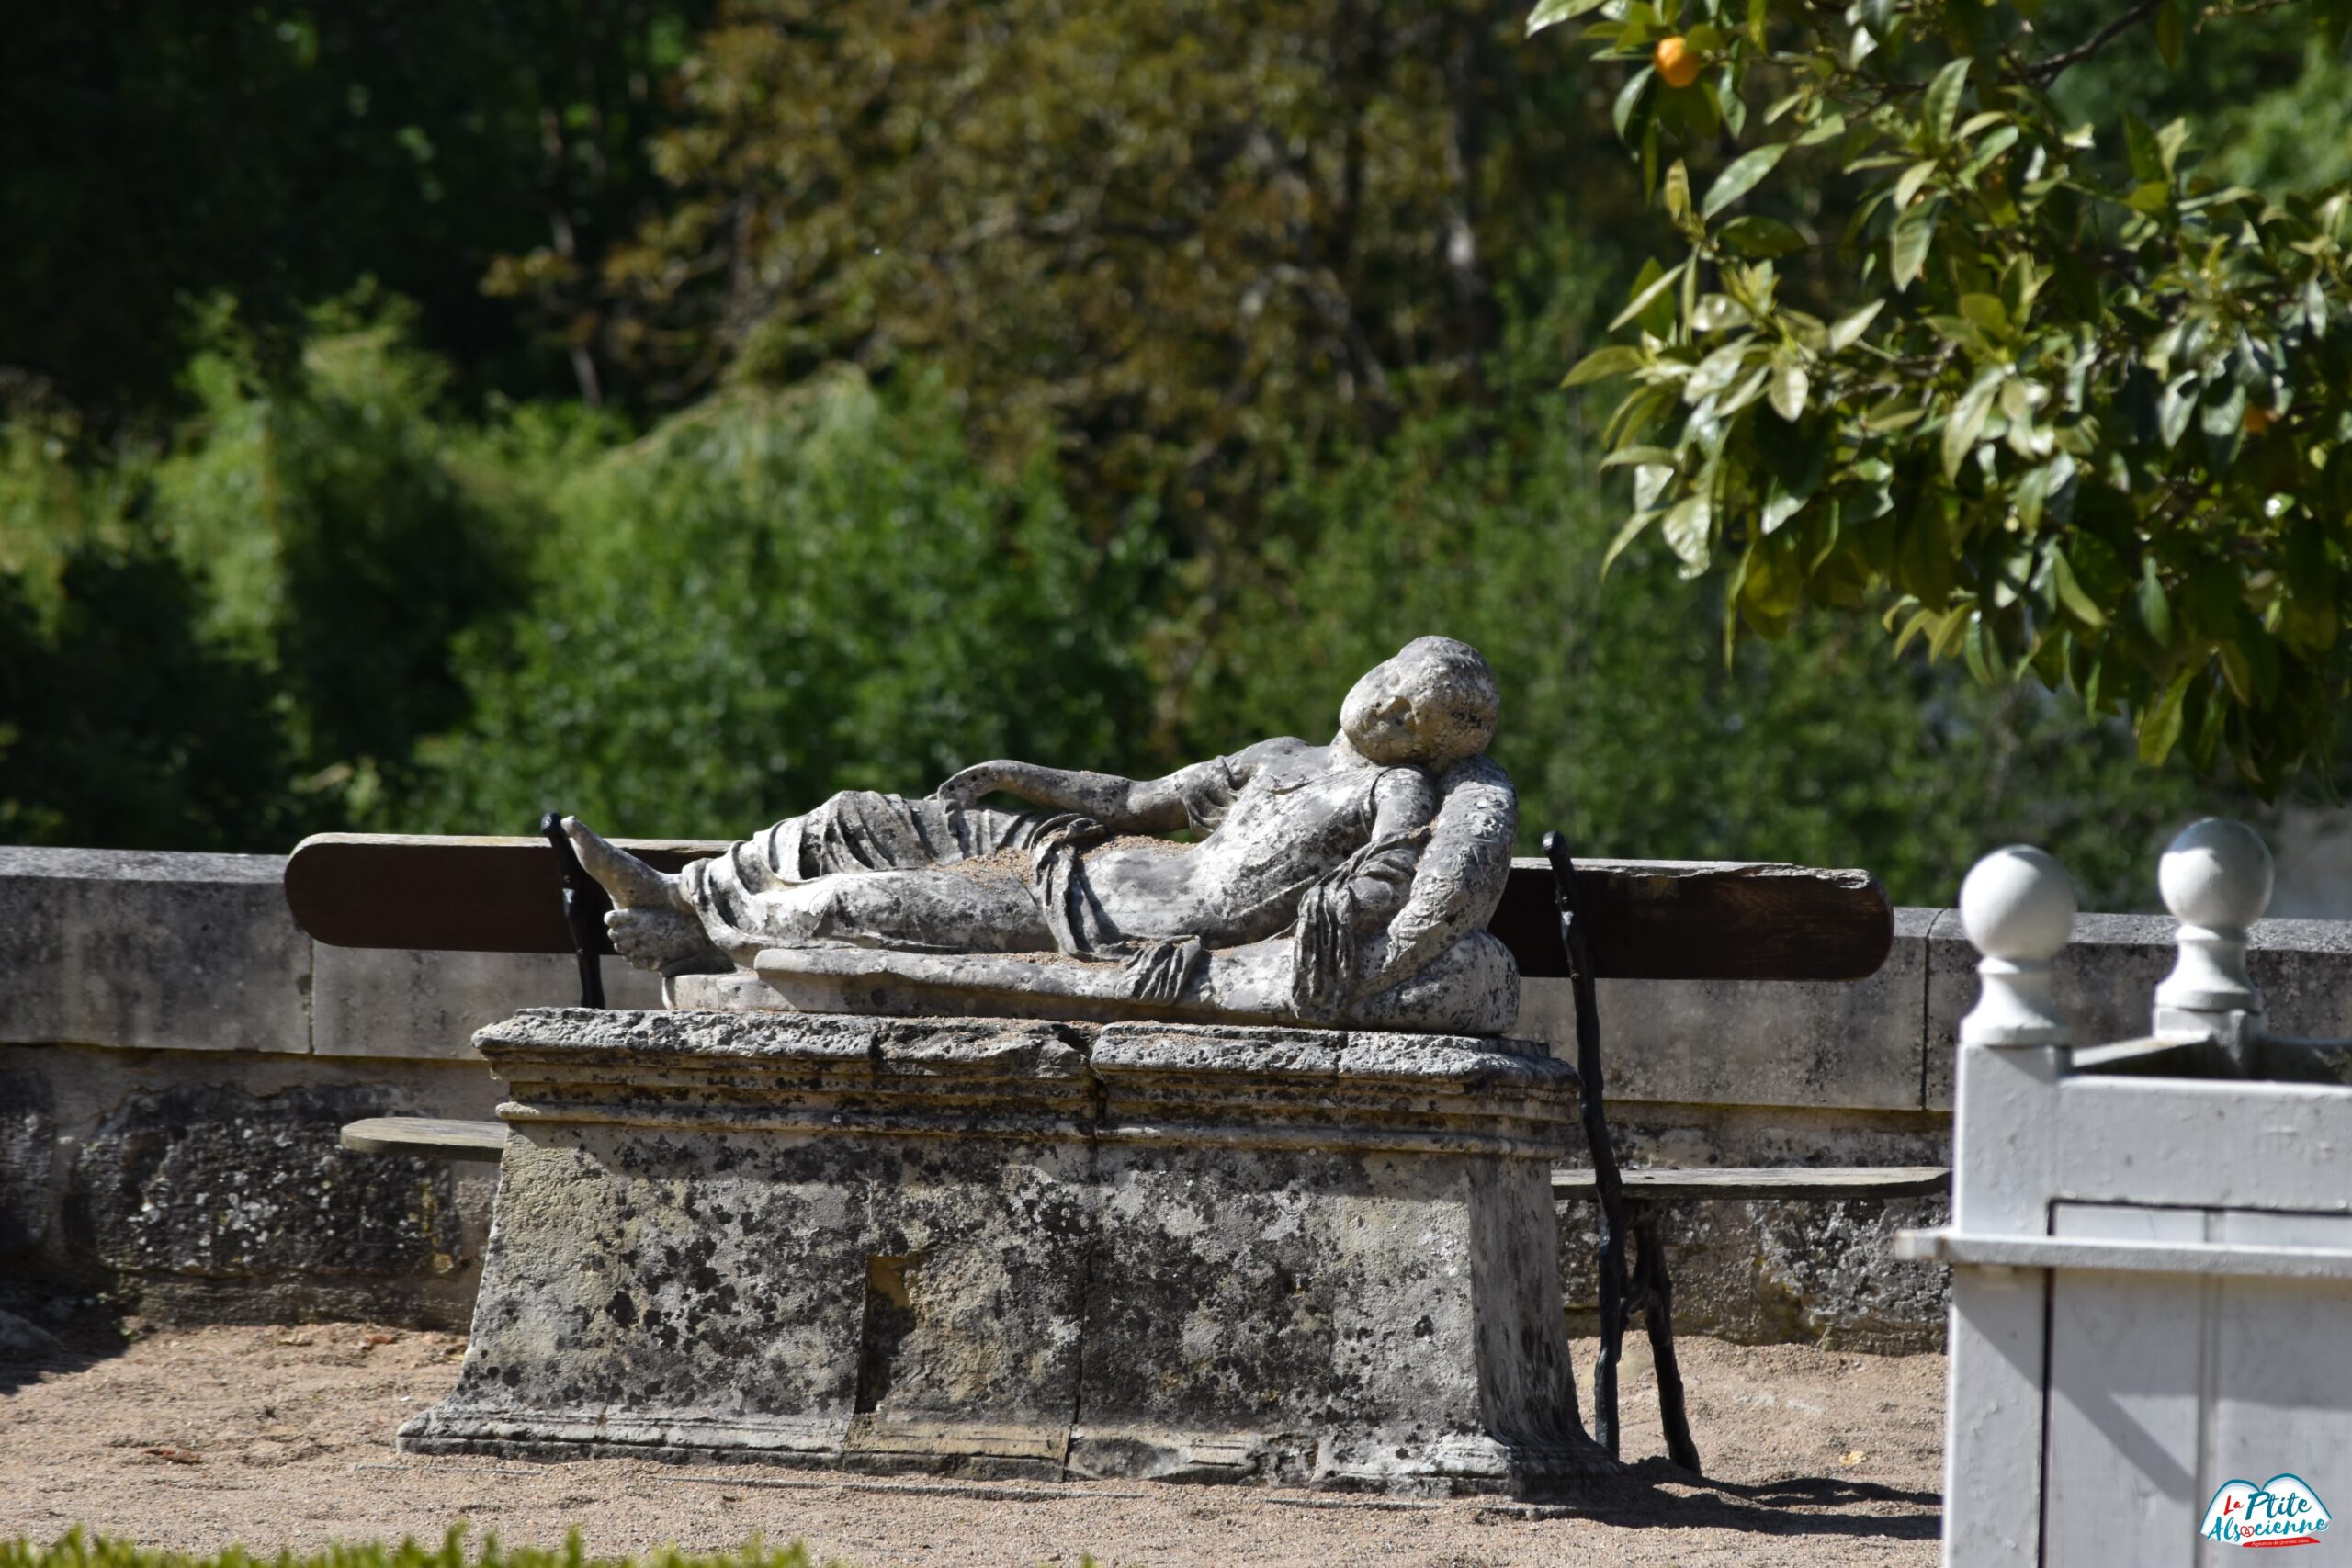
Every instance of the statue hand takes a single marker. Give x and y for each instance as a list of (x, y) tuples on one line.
[(649, 939)]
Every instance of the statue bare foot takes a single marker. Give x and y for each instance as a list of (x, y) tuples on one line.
[(652, 924), (633, 884)]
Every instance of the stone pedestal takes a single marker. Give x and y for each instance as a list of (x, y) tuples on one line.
[(1008, 1248)]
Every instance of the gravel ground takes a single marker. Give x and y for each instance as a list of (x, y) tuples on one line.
[(278, 1438)]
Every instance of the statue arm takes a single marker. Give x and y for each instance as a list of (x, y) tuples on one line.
[(1404, 802), (1459, 875), (1120, 804)]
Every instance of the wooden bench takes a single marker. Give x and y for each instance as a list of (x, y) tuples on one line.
[(1616, 919), (1648, 1290)]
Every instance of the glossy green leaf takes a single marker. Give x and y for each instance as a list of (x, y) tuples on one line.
[(1552, 13), (1966, 421), (2160, 726), (1986, 313), (1650, 288), (2140, 142), (1828, 127), (1848, 329), (2170, 142), (1950, 632), (1624, 457), (1920, 621), (1603, 363), (1630, 98), (1907, 185), (1941, 106), (1759, 238), (2172, 32), (1718, 370), (1625, 536), (1789, 386), (1650, 482), (1915, 230), (1685, 531), (1741, 176), (2153, 606), (1987, 152), (2078, 604), (2175, 407), (1675, 192)]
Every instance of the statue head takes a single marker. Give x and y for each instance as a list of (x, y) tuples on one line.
[(1434, 704)]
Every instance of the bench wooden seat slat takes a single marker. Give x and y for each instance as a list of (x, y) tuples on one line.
[(1648, 920), (433, 1137), (1796, 1182)]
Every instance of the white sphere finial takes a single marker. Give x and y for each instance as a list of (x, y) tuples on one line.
[(2018, 903), (2215, 877), (2216, 873), (2018, 906)]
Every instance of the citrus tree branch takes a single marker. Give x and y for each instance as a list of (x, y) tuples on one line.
[(2045, 71)]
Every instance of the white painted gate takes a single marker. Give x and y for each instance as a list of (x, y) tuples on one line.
[(2152, 1246)]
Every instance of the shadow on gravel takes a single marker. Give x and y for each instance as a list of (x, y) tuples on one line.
[(30, 1350), (1801, 1505), (16, 1371)]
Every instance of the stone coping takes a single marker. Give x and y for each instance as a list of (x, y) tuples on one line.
[(137, 865)]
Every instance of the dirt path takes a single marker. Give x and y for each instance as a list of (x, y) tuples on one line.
[(280, 1438)]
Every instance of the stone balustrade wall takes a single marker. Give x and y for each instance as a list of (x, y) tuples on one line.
[(175, 1057)]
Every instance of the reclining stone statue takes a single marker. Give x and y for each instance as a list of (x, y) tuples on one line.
[(1346, 886)]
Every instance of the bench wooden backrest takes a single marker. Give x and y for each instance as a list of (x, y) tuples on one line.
[(1645, 919)]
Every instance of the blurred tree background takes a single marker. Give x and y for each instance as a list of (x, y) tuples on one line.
[(415, 415)]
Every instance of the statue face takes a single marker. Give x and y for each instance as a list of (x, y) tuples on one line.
[(1378, 715), (1419, 707)]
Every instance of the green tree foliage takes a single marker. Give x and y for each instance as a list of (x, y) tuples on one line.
[(1622, 725), (123, 721), (776, 596), (344, 539), (2075, 406), (1194, 356), (1174, 239), (265, 612), (2299, 139), (158, 154)]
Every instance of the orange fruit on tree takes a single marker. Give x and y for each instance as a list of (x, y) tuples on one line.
[(2257, 420), (1676, 61)]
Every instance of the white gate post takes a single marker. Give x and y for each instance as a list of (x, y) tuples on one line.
[(2018, 906)]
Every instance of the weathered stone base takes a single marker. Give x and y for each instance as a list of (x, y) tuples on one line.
[(1020, 1249)]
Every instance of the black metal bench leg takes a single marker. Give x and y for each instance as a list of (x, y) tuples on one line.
[(1611, 1259), (1655, 1292), (1614, 1303), (585, 904)]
